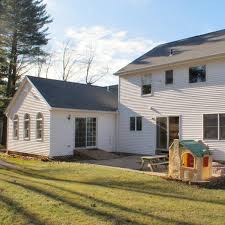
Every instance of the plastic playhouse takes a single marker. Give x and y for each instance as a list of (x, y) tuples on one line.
[(189, 160)]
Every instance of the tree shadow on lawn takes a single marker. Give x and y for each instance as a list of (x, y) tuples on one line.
[(93, 211), (126, 186), (15, 206)]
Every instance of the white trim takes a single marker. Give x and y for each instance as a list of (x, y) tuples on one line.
[(82, 110), (164, 66), (25, 80), (167, 127), (15, 96), (96, 134), (218, 128), (38, 92)]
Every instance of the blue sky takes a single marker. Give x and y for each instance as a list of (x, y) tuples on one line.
[(130, 27)]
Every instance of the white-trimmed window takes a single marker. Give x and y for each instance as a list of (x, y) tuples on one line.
[(197, 74), (16, 127), (39, 127), (214, 126), (26, 129), (146, 85), (136, 123)]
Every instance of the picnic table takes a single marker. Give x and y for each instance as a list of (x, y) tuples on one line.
[(154, 161)]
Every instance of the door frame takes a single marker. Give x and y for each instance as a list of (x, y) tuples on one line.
[(96, 142), (167, 133)]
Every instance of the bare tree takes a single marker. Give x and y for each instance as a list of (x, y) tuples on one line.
[(87, 62), (69, 60), (48, 64)]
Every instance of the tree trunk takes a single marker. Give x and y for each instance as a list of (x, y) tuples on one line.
[(4, 131), (12, 74)]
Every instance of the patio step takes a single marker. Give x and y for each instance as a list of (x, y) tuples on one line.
[(94, 154)]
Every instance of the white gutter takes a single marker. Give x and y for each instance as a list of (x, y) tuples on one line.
[(162, 66), (82, 110)]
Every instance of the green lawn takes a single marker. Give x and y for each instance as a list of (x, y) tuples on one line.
[(72, 193)]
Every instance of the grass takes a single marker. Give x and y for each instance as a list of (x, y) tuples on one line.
[(48, 193)]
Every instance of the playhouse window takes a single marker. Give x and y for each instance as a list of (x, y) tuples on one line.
[(206, 161), (188, 160)]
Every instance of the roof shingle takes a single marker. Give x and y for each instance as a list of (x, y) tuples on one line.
[(70, 95), (205, 45)]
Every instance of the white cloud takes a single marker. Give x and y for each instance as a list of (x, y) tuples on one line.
[(113, 48)]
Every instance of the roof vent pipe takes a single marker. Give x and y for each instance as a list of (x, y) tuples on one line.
[(171, 52)]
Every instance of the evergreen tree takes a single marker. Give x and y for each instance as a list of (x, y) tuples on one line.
[(23, 34)]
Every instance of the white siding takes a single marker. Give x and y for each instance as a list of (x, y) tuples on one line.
[(31, 102), (189, 101), (63, 131)]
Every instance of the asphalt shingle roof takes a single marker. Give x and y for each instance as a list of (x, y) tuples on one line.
[(205, 45), (70, 95)]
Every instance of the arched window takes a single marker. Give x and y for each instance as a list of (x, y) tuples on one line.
[(27, 126), (39, 126), (16, 127), (188, 160)]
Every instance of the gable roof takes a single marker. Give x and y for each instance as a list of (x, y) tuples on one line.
[(197, 47), (70, 95), (195, 147)]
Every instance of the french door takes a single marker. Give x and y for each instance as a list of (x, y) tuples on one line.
[(85, 132), (167, 129)]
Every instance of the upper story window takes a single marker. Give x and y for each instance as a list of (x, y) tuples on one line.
[(169, 77), (16, 127), (197, 74), (136, 123), (26, 126), (146, 85), (39, 126)]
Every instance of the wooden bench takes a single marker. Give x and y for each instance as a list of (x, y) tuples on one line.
[(153, 161)]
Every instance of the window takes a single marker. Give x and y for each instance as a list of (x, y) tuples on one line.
[(169, 77), (214, 126), (188, 160), (136, 123), (197, 74), (206, 161), (27, 127), (91, 132), (39, 126), (16, 127), (210, 126), (132, 123), (146, 88), (222, 126), (139, 123)]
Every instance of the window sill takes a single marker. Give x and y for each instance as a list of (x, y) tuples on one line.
[(213, 139), (198, 83), (147, 95), (39, 140), (189, 168)]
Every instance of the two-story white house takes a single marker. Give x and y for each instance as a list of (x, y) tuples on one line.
[(176, 90)]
